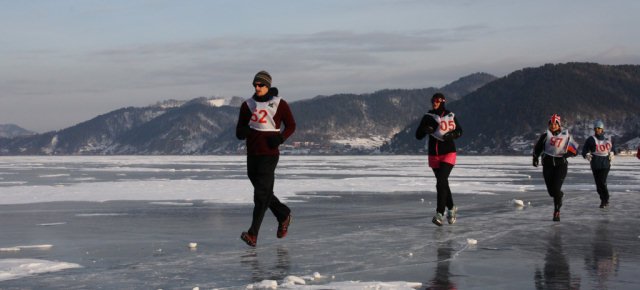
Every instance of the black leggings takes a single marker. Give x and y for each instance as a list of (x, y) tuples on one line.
[(600, 175), (554, 171), (442, 186), (261, 172)]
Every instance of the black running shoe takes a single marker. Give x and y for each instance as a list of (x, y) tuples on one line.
[(556, 216)]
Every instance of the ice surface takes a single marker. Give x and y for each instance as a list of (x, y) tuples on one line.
[(361, 221)]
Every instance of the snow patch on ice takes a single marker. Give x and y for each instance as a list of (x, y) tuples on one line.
[(52, 224), (297, 282), (19, 248), (99, 214), (171, 203), (19, 268)]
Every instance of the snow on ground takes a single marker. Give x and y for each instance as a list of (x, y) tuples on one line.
[(18, 268), (222, 179)]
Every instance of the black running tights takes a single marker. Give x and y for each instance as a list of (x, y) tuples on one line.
[(261, 172), (554, 174), (442, 186), (600, 175)]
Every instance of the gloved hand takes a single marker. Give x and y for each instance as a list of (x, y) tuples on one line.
[(275, 141), (611, 156), (448, 136), (535, 161), (429, 129), (567, 155), (588, 157), (243, 132)]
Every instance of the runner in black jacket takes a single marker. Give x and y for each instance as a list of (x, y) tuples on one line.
[(555, 146), (599, 150), (442, 127)]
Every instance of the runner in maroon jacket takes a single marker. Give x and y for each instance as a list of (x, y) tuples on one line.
[(259, 124)]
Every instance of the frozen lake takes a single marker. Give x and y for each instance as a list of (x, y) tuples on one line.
[(125, 222)]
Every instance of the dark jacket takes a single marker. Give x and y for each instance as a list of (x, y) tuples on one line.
[(597, 162), (437, 147), (265, 143)]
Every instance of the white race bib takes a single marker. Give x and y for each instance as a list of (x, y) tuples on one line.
[(262, 114), (446, 124), (603, 147), (556, 146)]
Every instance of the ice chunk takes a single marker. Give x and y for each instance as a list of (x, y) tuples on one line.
[(265, 284), (472, 241), (294, 280), (518, 202)]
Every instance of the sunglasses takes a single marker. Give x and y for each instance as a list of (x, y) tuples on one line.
[(259, 85)]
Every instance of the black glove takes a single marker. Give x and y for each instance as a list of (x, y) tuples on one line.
[(429, 130), (535, 161), (243, 132), (275, 141), (567, 155), (448, 136)]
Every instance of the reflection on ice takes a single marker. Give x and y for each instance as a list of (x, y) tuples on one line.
[(441, 279), (603, 261), (556, 273), (261, 271)]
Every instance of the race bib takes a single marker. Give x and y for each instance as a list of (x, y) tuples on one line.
[(603, 147), (262, 114), (446, 124), (558, 145)]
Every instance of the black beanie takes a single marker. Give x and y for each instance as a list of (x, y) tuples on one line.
[(263, 77)]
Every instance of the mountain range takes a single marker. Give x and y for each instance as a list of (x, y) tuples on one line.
[(13, 130), (498, 115)]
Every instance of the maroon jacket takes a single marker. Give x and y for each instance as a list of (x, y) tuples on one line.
[(265, 143)]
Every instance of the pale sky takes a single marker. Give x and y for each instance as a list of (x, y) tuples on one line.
[(63, 62)]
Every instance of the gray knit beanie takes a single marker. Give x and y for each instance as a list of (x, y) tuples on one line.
[(263, 77)]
